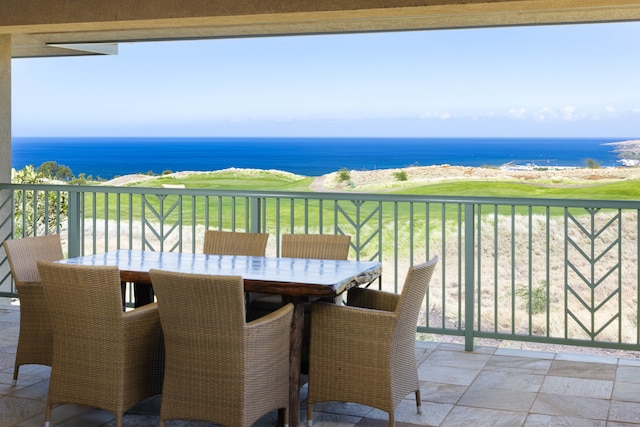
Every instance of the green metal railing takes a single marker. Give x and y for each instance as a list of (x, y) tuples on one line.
[(538, 270)]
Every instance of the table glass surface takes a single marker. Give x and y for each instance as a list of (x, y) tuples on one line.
[(332, 273)]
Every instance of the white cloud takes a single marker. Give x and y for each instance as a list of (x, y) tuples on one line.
[(569, 113), (437, 115), (485, 115), (517, 113), (545, 113), (609, 109)]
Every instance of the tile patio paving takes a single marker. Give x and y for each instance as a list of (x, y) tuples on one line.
[(487, 387)]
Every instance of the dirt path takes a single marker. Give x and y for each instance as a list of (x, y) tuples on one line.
[(318, 185)]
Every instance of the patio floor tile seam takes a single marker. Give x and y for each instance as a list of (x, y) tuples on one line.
[(571, 406)]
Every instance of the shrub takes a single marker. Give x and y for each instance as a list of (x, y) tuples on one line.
[(592, 164), (81, 179), (344, 175), (401, 175), (538, 298)]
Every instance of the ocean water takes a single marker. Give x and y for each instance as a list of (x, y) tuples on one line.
[(110, 157)]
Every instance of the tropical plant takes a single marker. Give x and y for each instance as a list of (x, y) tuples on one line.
[(81, 179), (53, 170), (36, 211)]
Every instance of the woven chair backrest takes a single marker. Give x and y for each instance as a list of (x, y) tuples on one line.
[(200, 310), (83, 297), (316, 246), (412, 297), (235, 243), (23, 254)]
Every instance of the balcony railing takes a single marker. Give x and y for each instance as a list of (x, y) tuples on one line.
[(537, 270)]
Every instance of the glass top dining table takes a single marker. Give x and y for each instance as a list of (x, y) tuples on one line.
[(283, 276), (297, 279)]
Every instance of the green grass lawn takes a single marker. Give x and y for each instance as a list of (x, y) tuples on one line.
[(625, 190), (278, 181), (351, 216), (241, 180)]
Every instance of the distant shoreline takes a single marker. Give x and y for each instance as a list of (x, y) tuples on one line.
[(107, 158), (628, 152), (631, 142)]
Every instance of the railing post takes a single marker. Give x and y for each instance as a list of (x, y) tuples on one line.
[(469, 274), (6, 201), (255, 215), (74, 223)]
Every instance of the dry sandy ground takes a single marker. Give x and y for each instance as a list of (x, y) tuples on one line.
[(385, 179)]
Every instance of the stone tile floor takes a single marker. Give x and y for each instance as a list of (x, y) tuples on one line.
[(487, 387)]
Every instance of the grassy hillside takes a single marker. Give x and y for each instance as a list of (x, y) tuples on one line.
[(625, 190), (628, 189), (235, 180)]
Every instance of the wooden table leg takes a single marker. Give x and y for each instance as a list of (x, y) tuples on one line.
[(295, 355), (123, 294), (143, 294)]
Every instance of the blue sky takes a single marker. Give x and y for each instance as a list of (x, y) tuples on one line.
[(577, 80)]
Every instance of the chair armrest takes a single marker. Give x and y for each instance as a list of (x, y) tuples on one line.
[(351, 325), (142, 315), (18, 283), (267, 359), (142, 326), (372, 299), (350, 340), (144, 347), (267, 343), (271, 327)]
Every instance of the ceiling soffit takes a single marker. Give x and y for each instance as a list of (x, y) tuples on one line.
[(39, 27)]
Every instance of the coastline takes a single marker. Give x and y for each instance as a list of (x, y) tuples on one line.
[(628, 152), (108, 158)]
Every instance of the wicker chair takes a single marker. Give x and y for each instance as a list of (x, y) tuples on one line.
[(102, 357), (35, 339), (218, 367), (234, 243), (314, 246), (371, 359)]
